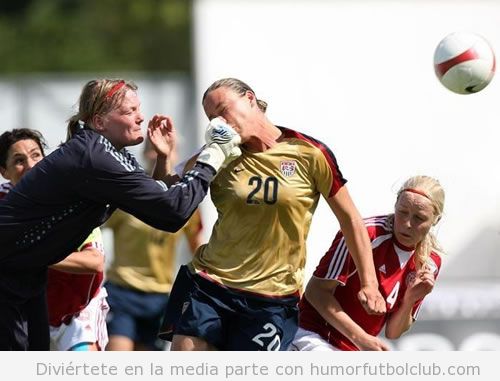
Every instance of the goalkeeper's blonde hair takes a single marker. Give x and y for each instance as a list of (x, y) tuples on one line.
[(431, 189), (98, 97)]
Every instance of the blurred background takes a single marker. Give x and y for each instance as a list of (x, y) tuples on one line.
[(356, 75)]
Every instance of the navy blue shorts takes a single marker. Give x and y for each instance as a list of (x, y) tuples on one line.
[(135, 314), (181, 290), (229, 319)]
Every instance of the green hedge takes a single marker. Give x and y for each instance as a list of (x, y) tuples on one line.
[(95, 35)]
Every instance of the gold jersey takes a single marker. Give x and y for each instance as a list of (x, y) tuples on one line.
[(144, 256), (265, 203)]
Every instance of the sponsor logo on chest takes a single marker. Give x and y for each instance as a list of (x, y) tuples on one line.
[(287, 167)]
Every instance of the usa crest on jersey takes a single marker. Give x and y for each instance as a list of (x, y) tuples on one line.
[(288, 167)]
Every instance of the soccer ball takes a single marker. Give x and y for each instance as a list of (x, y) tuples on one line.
[(464, 62)]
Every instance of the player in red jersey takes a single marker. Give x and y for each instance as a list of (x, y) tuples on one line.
[(406, 259), (76, 299)]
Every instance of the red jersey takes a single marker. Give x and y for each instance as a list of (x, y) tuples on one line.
[(67, 293), (395, 269)]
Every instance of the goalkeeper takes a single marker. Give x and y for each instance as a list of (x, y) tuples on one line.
[(56, 205)]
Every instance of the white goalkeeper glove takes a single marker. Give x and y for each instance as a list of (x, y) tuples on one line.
[(221, 144)]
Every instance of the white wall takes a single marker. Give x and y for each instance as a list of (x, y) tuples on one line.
[(358, 75)]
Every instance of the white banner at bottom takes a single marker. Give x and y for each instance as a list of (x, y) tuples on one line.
[(240, 366)]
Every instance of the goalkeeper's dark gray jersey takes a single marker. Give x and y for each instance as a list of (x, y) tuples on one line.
[(58, 203)]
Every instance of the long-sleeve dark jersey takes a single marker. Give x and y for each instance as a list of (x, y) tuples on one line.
[(56, 205)]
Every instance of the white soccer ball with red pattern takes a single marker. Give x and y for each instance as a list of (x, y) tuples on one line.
[(464, 62)]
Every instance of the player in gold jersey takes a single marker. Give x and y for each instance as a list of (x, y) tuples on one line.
[(243, 286)]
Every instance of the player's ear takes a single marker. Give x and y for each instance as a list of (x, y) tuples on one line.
[(3, 172), (98, 122), (251, 97), (436, 220)]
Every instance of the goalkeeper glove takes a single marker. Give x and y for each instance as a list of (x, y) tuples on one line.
[(222, 143)]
